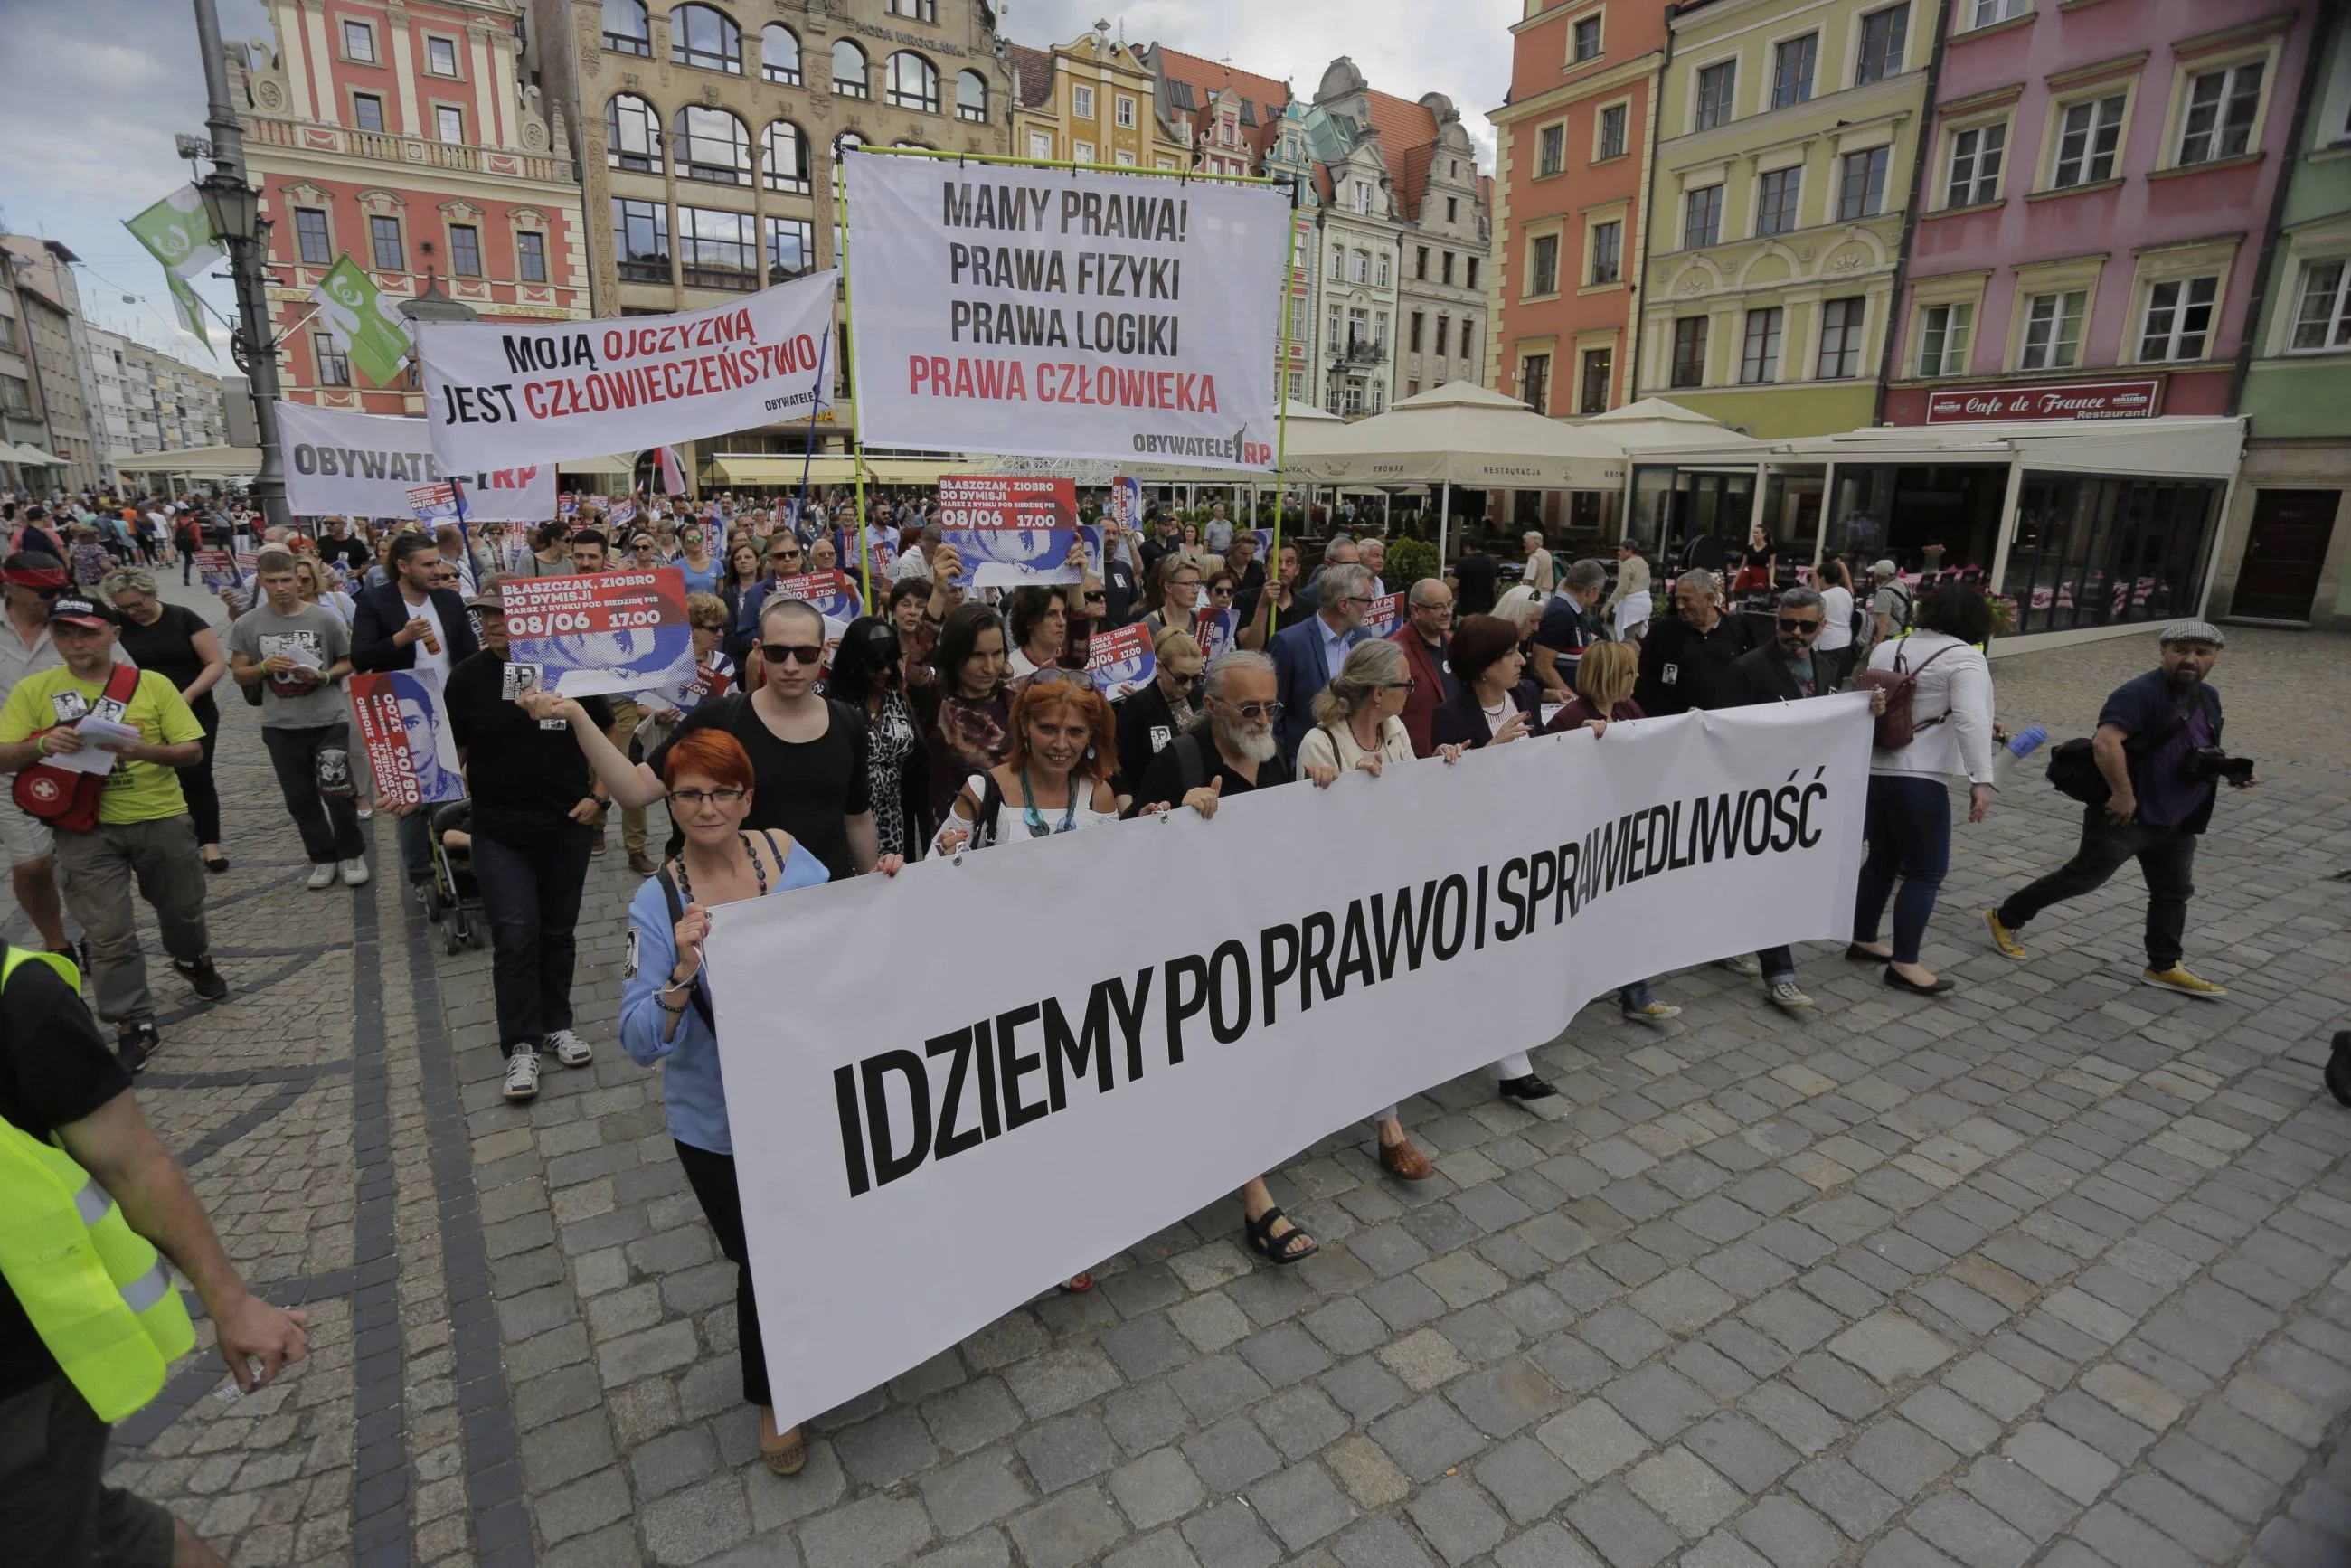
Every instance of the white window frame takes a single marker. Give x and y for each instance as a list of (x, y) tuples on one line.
[(1959, 322), (1535, 242), (2028, 319), (1795, 205), (1623, 107), (1081, 102), (2176, 295), (2338, 319), (1041, 144), (1730, 100), (1081, 152), (1856, 343), (2215, 135), (1981, 130), (1594, 230), (1861, 37), (1598, 18), (1810, 83), (1992, 12), (457, 72), (1714, 234), (2093, 99), (1122, 113), (352, 26), (2262, 55), (441, 113), (1550, 139)]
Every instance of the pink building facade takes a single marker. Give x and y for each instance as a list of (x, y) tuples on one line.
[(2099, 178)]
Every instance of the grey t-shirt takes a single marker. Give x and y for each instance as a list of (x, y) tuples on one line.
[(312, 635)]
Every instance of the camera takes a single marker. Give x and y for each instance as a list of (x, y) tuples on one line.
[(2211, 762)]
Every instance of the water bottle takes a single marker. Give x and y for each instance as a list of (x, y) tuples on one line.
[(2021, 746)]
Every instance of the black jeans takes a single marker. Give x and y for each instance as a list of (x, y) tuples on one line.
[(713, 1180), (1908, 826), (530, 893), (54, 1504), (196, 783), (2166, 858), (329, 828)]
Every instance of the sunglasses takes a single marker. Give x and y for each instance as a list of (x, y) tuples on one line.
[(797, 652), (1406, 685), (1097, 597), (707, 797), (1178, 678), (1255, 711), (1788, 625)]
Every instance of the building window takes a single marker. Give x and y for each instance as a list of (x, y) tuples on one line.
[(1715, 86), (1534, 382), (464, 251), (1551, 155), (358, 43), (1363, 198), (2178, 319), (1599, 368), (1792, 70), (1608, 252), (919, 10), (631, 135), (1298, 322), (913, 83), (1040, 145), (971, 96), (849, 70), (1943, 333), (367, 111), (1298, 383), (707, 40), (1759, 354), (640, 240), (1976, 156), (531, 256), (779, 54), (1861, 183), (2052, 331), (786, 166), (1360, 269), (1387, 268), (1380, 333), (1469, 278), (1988, 12), (1612, 132), (1542, 266), (1689, 351), (1081, 102), (712, 145), (334, 367), (449, 123), (1412, 332), (1702, 217), (1083, 152), (1775, 201), (1338, 264), (1840, 323), (441, 56), (15, 392), (718, 249), (791, 248), (1125, 113), (1445, 267), (2221, 106), (1587, 40), (626, 29), (1420, 263), (2086, 143), (1883, 36), (311, 241), (2322, 319), (1444, 328), (390, 252)]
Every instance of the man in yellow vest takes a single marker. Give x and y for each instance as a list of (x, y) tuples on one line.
[(89, 1322)]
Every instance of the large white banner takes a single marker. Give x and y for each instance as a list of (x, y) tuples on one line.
[(1064, 314), (340, 464), (916, 1160), (501, 392)]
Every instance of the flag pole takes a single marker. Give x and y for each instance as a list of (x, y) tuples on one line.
[(856, 432), (1281, 412), (807, 455)]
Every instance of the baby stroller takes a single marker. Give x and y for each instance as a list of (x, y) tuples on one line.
[(456, 896)]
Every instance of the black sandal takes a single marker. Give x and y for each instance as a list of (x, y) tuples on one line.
[(1279, 1249), (2338, 1069)]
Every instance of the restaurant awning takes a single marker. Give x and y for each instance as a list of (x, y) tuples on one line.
[(195, 462), (28, 453), (1460, 433), (613, 467), (2189, 446)]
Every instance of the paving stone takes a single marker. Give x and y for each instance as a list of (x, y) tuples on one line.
[(1156, 1488), (1684, 1491), (1592, 1439), (1230, 1535), (1367, 1475), (1900, 1457), (1381, 1543), (2073, 1466), (1789, 1534), (1891, 1347), (1067, 1529), (978, 1490), (1300, 1505), (1231, 1453), (1524, 1478), (1621, 1528), (1546, 1545), (1426, 1437), (876, 1531), (1851, 1500), (1060, 1453)]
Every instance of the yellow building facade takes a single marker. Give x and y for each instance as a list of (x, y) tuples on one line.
[(1088, 101)]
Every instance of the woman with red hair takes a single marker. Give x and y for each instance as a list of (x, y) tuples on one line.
[(665, 1009)]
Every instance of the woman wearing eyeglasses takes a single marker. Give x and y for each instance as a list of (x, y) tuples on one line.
[(1174, 595), (665, 1009), (867, 674), (1151, 718)]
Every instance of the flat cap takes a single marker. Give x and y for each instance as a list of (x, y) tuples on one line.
[(2193, 632)]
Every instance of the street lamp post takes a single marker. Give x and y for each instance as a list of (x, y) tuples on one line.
[(235, 208)]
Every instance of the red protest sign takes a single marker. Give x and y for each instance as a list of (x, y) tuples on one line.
[(1006, 501), (377, 707)]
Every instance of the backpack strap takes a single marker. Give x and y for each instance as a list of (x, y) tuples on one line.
[(121, 689)]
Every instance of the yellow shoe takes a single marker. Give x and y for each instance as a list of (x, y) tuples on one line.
[(2177, 978), (2004, 938)]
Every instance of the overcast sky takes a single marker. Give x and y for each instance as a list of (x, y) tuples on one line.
[(93, 91)]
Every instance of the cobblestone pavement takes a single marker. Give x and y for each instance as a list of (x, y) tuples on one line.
[(2057, 1270)]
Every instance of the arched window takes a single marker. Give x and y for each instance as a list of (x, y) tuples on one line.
[(712, 145), (844, 142), (913, 83), (971, 96), (779, 54), (849, 70), (707, 40), (632, 135), (626, 29), (787, 165)]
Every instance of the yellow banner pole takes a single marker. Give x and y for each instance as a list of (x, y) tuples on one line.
[(857, 427), (1281, 408)]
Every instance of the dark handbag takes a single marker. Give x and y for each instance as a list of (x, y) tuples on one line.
[(1894, 727), (2073, 769)]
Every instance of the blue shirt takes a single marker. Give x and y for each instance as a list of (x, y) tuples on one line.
[(2148, 711), (705, 581), (691, 1083)]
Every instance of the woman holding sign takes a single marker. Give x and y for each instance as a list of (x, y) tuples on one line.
[(666, 1016), (965, 713)]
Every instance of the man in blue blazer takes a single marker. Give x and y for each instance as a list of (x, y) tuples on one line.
[(1308, 653), (409, 624)]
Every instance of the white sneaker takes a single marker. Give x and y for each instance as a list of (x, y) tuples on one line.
[(522, 1075), (355, 872), (569, 1047), (322, 875), (1787, 998)]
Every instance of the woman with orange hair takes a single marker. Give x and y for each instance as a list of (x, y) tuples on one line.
[(1062, 748), (665, 1009)]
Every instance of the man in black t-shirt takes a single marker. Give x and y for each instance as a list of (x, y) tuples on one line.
[(1683, 658), (535, 805), (58, 1082)]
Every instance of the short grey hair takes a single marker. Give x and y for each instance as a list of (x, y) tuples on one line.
[(136, 578), (1701, 580), (1221, 669), (1802, 598), (1531, 537), (1585, 574), (1344, 579)]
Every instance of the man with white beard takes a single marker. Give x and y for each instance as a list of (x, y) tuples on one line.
[(1232, 750)]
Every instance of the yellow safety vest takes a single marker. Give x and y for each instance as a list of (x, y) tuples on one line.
[(97, 1293)]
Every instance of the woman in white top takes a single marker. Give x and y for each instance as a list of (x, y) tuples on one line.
[(1834, 643), (1908, 822)]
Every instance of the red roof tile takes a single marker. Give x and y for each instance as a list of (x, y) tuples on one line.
[(1032, 73), (1408, 135), (1266, 96)]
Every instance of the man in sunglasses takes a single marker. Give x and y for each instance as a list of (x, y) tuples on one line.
[(1149, 720), (34, 581), (785, 558)]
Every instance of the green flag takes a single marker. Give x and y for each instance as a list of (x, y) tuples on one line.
[(191, 311), (177, 233), (369, 330)]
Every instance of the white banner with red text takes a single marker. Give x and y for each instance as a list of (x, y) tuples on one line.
[(503, 392), (916, 1161), (340, 464), (1061, 313)]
